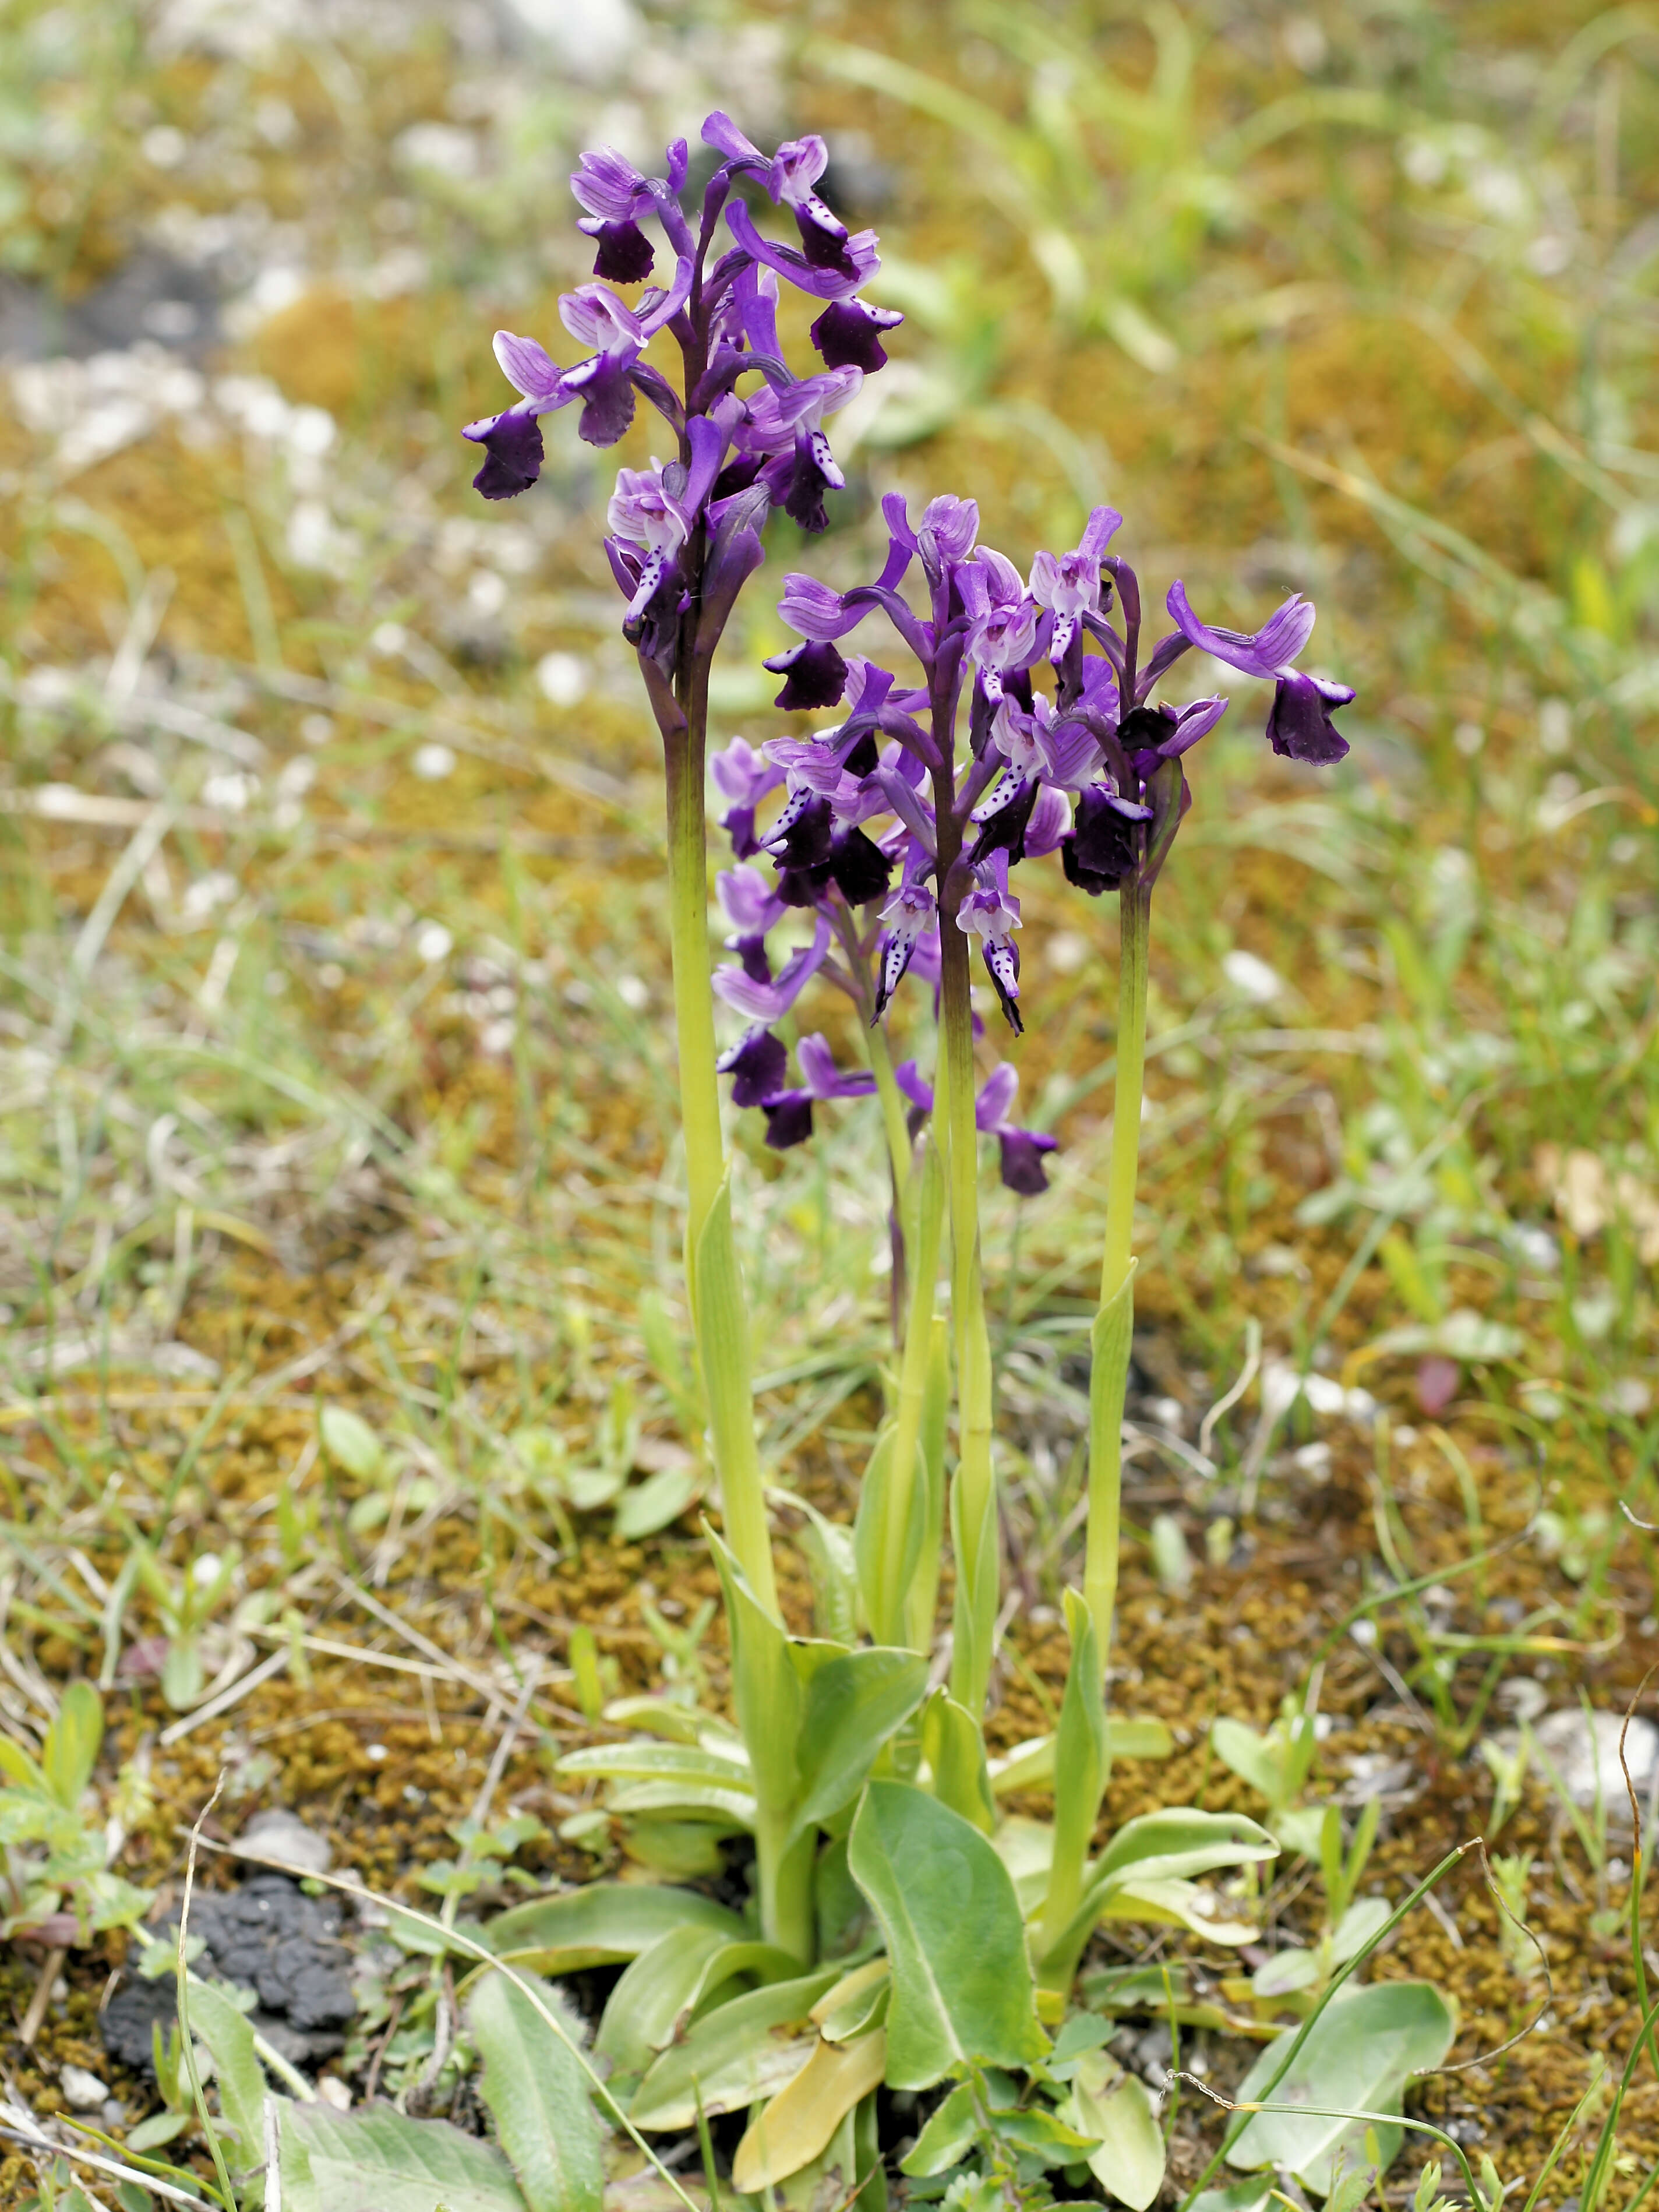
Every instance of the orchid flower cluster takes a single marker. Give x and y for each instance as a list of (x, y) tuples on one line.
[(1020, 721), (1085, 770)]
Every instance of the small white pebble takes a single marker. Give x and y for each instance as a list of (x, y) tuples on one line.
[(432, 942), (333, 2091), (635, 993), (85, 2092), (432, 763), (376, 1751)]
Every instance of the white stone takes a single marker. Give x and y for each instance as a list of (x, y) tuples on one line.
[(85, 2092), (1584, 1754), (284, 1835)]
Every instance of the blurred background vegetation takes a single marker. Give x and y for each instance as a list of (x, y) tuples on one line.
[(333, 982)]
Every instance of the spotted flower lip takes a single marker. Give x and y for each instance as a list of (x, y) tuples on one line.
[(990, 912), (1068, 584), (906, 917)]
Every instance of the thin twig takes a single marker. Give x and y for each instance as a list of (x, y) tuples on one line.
[(43, 1989)]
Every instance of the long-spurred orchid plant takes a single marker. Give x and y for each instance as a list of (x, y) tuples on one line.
[(904, 1930)]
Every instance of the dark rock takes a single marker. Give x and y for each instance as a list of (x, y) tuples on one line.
[(268, 1936)]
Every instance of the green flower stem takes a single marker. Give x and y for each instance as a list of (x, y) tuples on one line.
[(723, 1352), (923, 1218), (894, 1118), (786, 1872), (973, 1505), (1113, 1330)]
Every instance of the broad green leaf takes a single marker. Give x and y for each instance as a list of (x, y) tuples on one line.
[(734, 2055), (766, 1688), (657, 1716), (182, 1677), (1286, 1972), (70, 1750), (947, 2138), (17, 1765), (537, 2093), (1365, 2045), (1180, 1904), (351, 1443), (954, 1749), (962, 1992), (679, 1850), (216, 2021), (327, 2160), (651, 1761), (160, 2127), (695, 1800), (1117, 2108), (651, 1504), (796, 2126), (599, 1925), (1177, 1844), (1031, 1766), (857, 2001), (1361, 1924), (1243, 2197), (854, 1703), (1037, 2129), (666, 1982)]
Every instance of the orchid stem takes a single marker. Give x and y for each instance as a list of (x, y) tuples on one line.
[(723, 1348), (1112, 1335), (973, 1503), (921, 1229), (892, 1108)]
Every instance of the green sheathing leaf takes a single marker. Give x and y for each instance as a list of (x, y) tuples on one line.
[(536, 2090), (1118, 2109), (600, 1924), (736, 2055), (962, 1992), (680, 1969), (329, 2160), (854, 1703), (1358, 2058)]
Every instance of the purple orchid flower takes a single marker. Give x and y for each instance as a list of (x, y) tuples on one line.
[(1299, 724), (744, 777), (1068, 584), (1022, 1150), (614, 197), (789, 1113), (990, 912), (770, 1000), (604, 384), (786, 427)]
